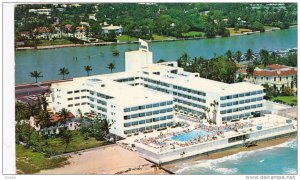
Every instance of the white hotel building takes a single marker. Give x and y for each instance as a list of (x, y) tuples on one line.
[(147, 96)]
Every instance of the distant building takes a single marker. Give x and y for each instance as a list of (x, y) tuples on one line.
[(93, 17), (42, 33), (84, 24), (80, 32), (278, 76), (41, 11), (110, 28)]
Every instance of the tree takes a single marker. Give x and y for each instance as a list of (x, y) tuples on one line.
[(258, 26), (229, 55), (36, 75), (111, 66), (105, 125), (63, 71), (63, 113), (43, 118), (236, 28), (287, 91), (66, 137), (238, 56), (249, 55), (214, 104), (207, 110), (20, 111), (184, 61), (264, 56), (270, 91), (88, 69), (250, 69)]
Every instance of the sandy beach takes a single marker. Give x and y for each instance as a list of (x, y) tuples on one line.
[(173, 166), (107, 160)]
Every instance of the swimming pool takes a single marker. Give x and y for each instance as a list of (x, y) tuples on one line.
[(190, 135)]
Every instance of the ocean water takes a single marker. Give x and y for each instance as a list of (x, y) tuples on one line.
[(280, 159)]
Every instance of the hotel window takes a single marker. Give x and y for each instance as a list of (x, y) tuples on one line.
[(241, 108), (142, 122), (83, 90), (155, 126), (127, 124), (156, 105), (77, 97), (148, 113), (253, 99), (83, 103), (247, 100), (163, 111), (247, 107), (149, 106), (267, 78), (77, 91), (262, 78), (253, 106), (229, 104), (134, 116), (259, 105), (247, 94), (155, 119), (170, 117), (127, 110), (92, 92), (223, 105), (134, 109), (70, 105), (228, 97), (156, 112), (223, 112), (141, 107), (241, 95), (229, 111), (69, 99), (82, 97), (69, 92), (135, 123), (235, 109), (141, 114), (235, 96), (253, 93), (279, 78), (241, 115), (274, 78), (125, 117), (77, 104), (169, 102), (148, 120), (162, 118)]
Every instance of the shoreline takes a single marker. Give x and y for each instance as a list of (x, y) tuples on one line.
[(176, 165), (135, 42), (104, 160)]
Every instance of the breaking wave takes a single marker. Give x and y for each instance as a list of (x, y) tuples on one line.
[(213, 165)]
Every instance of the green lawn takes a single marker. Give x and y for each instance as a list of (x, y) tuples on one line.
[(193, 34), (286, 99), (29, 162), (54, 42), (160, 38), (125, 38), (56, 146)]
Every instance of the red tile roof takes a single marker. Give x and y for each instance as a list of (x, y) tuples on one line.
[(241, 71), (283, 72), (56, 117), (276, 66), (79, 28), (42, 30)]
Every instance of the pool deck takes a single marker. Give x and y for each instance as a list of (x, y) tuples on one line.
[(159, 147)]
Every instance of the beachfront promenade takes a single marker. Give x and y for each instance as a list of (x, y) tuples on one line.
[(160, 147)]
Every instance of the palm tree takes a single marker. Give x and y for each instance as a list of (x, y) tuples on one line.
[(238, 56), (184, 61), (80, 113), (214, 104), (229, 55), (264, 56), (36, 75), (43, 117), (63, 71), (105, 125), (111, 66), (88, 69), (32, 107), (249, 55), (250, 70), (20, 111), (64, 114), (207, 110)]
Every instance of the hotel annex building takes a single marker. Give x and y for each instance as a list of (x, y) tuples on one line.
[(147, 96)]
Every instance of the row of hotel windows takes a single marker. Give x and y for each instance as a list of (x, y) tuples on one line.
[(150, 113), (135, 123), (99, 108), (127, 79), (78, 97), (101, 95), (77, 104), (156, 88), (241, 108), (241, 95), (77, 91), (148, 128), (241, 102), (189, 111), (267, 78), (235, 117), (148, 106), (189, 90), (156, 82), (189, 97), (98, 101), (189, 103)]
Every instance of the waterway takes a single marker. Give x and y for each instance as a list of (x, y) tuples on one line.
[(49, 61)]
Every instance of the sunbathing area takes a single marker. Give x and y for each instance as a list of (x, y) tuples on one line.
[(192, 133)]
